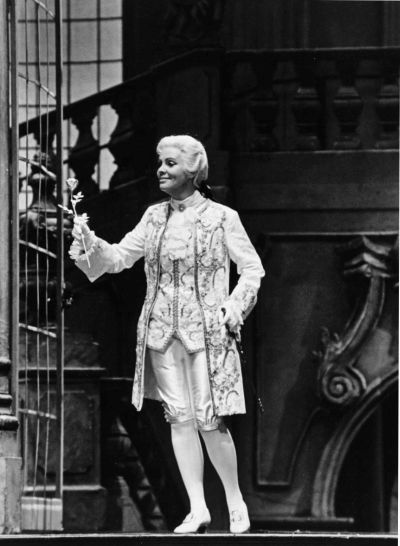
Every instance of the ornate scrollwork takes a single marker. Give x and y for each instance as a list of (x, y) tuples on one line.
[(341, 382), (339, 385)]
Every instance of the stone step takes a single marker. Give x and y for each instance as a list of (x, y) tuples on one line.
[(209, 539)]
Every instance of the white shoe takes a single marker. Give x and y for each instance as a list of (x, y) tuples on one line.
[(239, 518), (194, 522)]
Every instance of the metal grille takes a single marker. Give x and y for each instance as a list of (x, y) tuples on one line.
[(36, 71)]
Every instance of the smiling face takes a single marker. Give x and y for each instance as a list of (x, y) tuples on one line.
[(171, 173)]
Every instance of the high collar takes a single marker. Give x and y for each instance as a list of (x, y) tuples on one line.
[(194, 200)]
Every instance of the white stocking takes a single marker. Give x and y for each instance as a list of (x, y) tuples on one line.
[(189, 456), (222, 453)]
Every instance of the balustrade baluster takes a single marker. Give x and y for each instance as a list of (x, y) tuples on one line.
[(122, 139), (239, 81), (347, 106), (84, 156), (387, 107), (44, 135), (306, 106), (263, 107)]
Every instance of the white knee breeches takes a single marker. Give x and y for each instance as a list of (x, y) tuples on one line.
[(183, 385)]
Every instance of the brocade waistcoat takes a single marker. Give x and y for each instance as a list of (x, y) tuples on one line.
[(176, 310)]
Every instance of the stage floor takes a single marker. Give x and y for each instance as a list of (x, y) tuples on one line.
[(211, 539)]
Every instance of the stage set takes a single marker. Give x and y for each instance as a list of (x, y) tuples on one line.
[(297, 105)]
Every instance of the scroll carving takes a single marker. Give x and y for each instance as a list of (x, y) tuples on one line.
[(341, 382)]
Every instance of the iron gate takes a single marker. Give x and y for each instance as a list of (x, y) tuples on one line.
[(35, 34)]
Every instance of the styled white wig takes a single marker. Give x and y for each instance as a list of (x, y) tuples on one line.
[(194, 155)]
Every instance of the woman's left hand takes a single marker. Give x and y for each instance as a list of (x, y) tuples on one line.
[(230, 316)]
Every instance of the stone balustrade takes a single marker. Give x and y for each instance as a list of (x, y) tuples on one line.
[(322, 99), (247, 101)]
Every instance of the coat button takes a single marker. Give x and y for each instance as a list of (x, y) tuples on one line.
[(181, 208)]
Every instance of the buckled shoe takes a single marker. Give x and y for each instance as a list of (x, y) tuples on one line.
[(239, 520), (194, 522)]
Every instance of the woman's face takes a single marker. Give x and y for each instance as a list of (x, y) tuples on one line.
[(171, 173)]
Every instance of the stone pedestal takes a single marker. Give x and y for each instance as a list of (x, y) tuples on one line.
[(10, 483), (83, 496)]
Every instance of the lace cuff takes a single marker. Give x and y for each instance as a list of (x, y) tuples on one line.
[(243, 298), (77, 250)]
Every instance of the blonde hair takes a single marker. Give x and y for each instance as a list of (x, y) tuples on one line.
[(194, 155)]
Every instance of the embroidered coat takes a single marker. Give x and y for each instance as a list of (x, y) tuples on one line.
[(218, 237)]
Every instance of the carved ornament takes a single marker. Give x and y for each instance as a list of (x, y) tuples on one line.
[(341, 382)]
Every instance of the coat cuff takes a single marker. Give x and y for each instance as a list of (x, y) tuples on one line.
[(244, 297)]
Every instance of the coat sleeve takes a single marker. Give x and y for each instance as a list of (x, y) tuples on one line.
[(248, 263), (113, 258)]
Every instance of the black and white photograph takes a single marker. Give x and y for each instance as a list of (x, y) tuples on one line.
[(199, 261)]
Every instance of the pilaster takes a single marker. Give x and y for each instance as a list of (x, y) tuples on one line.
[(10, 462)]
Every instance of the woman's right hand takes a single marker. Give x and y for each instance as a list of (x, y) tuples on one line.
[(81, 232)]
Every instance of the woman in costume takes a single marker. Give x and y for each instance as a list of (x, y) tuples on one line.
[(186, 353)]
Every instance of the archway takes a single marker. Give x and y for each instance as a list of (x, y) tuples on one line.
[(367, 483), (342, 455)]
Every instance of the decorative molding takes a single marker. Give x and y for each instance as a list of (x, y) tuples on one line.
[(344, 385), (340, 381), (5, 365), (8, 422), (375, 262), (5, 402)]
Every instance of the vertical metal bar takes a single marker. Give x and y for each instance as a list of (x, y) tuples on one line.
[(25, 416), (60, 252), (5, 356), (48, 399), (98, 77), (14, 181), (38, 229), (68, 93)]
